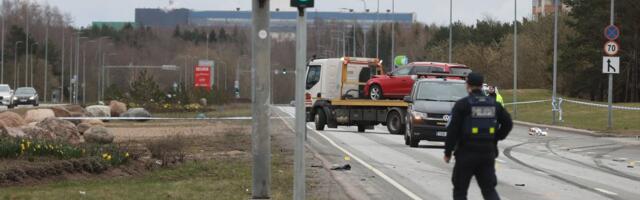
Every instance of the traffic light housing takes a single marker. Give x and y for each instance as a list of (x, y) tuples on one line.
[(302, 3)]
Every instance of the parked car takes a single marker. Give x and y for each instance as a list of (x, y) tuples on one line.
[(5, 95), (398, 83), (429, 111), (25, 96)]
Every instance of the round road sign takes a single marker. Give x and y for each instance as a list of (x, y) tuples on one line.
[(611, 48), (611, 32)]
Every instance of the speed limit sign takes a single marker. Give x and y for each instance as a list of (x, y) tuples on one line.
[(611, 48)]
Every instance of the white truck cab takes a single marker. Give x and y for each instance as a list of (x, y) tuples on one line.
[(325, 78)]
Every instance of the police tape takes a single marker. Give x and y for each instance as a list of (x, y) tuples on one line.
[(602, 105), (162, 118), (527, 102)]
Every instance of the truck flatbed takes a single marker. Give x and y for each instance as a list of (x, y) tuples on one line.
[(368, 103)]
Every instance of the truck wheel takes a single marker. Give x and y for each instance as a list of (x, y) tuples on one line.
[(394, 123), (375, 92), (406, 134), (361, 128), (320, 119)]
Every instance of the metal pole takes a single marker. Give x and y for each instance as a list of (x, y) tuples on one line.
[(610, 95), (515, 58), (31, 64), (84, 73), (207, 46), (71, 68), (261, 85), (26, 58), (15, 63), (450, 29), (46, 59), (555, 59), (354, 34), (393, 33), (378, 31), (301, 57), (77, 69), (344, 43), (2, 65), (62, 67)]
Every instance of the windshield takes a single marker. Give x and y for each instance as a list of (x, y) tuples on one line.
[(460, 71), (313, 76), (4, 88), (25, 91), (441, 91)]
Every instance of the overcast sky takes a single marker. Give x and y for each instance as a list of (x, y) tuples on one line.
[(427, 11)]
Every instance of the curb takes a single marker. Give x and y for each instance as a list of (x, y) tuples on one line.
[(562, 128)]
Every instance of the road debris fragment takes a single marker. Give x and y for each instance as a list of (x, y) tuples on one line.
[(344, 167), (535, 131)]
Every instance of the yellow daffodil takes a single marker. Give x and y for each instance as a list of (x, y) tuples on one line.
[(126, 155), (109, 157)]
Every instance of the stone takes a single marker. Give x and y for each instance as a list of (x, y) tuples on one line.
[(62, 129), (92, 122), (117, 108), (98, 134), (83, 127), (12, 131), (11, 119), (37, 115), (35, 132), (137, 112), (60, 111), (99, 111)]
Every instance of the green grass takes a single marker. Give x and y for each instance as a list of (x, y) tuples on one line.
[(213, 179), (232, 110), (574, 115)]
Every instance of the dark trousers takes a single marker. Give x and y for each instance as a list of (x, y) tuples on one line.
[(480, 165)]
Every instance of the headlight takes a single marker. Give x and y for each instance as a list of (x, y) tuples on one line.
[(419, 115), (32, 98), (15, 98)]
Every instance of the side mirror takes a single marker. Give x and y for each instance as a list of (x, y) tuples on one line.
[(408, 99)]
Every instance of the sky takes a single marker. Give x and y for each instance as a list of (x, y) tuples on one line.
[(84, 12)]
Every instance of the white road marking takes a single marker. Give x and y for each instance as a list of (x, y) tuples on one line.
[(367, 165), (605, 191), (541, 173), (501, 161)]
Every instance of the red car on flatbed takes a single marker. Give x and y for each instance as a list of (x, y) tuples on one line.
[(398, 83)]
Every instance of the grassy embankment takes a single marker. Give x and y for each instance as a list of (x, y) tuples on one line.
[(576, 116)]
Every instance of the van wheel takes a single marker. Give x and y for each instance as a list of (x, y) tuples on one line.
[(320, 119), (407, 133), (361, 128), (375, 92), (394, 123), (413, 142)]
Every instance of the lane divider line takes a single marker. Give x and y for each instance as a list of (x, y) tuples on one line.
[(367, 165), (605, 191)]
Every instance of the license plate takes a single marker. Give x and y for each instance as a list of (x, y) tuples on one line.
[(441, 134), (23, 100)]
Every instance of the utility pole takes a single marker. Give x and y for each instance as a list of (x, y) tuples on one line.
[(30, 69), (26, 58), (515, 58), (378, 31), (610, 92), (555, 61), (393, 33), (364, 32), (15, 64), (2, 65), (46, 58), (62, 66), (261, 85), (450, 28), (300, 121)]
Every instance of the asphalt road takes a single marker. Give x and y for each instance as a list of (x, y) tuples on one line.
[(561, 165)]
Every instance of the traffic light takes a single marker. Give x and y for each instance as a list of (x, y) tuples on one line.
[(302, 3)]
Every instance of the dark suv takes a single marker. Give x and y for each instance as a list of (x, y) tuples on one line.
[(429, 111)]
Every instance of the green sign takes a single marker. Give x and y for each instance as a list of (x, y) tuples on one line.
[(400, 61), (302, 3)]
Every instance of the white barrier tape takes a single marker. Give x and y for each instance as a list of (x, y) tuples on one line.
[(527, 102), (603, 105), (162, 118)]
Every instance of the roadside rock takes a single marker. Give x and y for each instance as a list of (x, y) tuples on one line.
[(37, 115), (92, 122), (76, 109), (117, 108), (83, 127), (99, 111), (35, 132), (137, 112), (11, 119), (98, 134), (12, 131), (60, 111), (62, 129)]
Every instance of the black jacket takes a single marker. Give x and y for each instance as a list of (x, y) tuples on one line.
[(455, 128)]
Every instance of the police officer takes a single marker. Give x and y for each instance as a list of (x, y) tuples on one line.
[(477, 123)]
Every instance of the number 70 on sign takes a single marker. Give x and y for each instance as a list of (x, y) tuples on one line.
[(611, 48)]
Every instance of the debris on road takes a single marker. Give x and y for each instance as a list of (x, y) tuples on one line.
[(620, 159), (631, 164), (520, 184), (535, 131), (344, 167)]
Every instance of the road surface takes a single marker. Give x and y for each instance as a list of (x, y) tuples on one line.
[(561, 165)]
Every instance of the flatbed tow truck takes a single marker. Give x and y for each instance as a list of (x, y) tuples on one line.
[(335, 96)]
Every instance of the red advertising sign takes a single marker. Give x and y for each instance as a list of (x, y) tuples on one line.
[(202, 77)]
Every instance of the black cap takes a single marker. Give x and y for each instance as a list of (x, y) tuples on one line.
[(475, 79)]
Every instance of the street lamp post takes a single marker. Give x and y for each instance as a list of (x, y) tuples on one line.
[(46, 59), (30, 69), (103, 72), (450, 29), (2, 56), (378, 31), (84, 72), (15, 63)]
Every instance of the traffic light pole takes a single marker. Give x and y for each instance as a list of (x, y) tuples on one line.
[(261, 85), (301, 57)]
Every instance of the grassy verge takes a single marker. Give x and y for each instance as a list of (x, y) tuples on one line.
[(574, 115), (231, 110)]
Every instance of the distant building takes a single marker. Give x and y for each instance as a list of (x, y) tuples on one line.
[(113, 25), (283, 21), (545, 7)]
